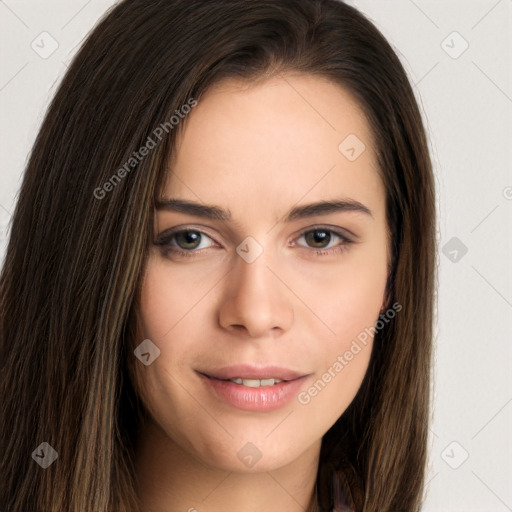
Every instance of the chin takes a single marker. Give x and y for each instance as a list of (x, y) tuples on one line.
[(241, 455)]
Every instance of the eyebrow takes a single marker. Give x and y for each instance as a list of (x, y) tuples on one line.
[(298, 212)]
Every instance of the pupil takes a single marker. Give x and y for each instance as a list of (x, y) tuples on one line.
[(188, 239), (318, 238)]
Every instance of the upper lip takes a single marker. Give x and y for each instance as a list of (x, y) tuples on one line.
[(247, 371)]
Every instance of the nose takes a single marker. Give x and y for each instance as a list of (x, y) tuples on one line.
[(254, 301)]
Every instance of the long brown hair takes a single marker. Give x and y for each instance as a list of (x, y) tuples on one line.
[(77, 248)]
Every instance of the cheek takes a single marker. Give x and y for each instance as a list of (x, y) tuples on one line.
[(356, 300), (169, 296), (162, 317), (359, 288), (351, 308), (348, 296), (333, 389), (349, 303)]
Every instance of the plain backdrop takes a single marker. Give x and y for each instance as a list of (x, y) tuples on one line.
[(458, 55)]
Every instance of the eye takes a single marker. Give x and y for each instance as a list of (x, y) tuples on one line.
[(189, 240), (325, 240), (184, 242)]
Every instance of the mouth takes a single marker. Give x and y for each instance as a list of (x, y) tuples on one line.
[(251, 383), (253, 376), (253, 389)]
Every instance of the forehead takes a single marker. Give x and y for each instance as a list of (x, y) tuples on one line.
[(279, 140)]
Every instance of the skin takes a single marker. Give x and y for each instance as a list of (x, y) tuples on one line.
[(258, 151)]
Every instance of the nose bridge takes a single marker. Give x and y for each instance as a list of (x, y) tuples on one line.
[(254, 299)]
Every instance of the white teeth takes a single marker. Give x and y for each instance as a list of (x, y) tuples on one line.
[(255, 383)]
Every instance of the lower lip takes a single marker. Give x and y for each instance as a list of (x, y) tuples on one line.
[(262, 399)]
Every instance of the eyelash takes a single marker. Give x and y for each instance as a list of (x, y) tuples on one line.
[(164, 241)]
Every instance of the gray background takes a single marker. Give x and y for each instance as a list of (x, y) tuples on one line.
[(466, 97)]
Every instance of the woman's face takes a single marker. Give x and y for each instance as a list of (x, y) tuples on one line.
[(264, 284)]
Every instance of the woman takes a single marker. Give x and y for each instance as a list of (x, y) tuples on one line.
[(218, 290)]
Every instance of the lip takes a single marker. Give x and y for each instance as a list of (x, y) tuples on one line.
[(261, 399), (247, 371)]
